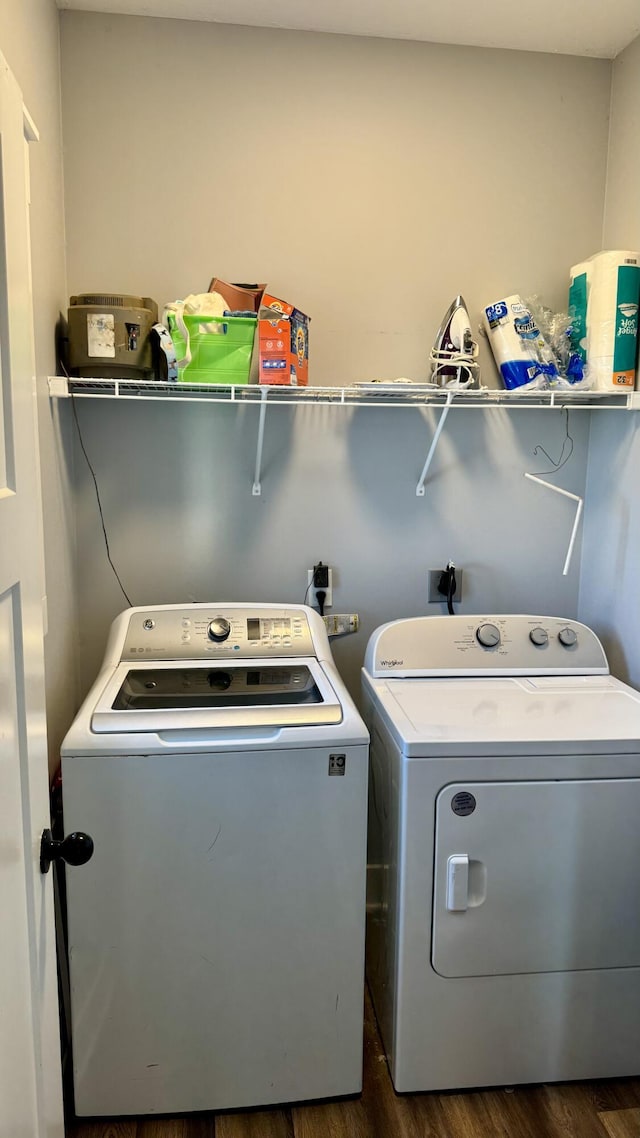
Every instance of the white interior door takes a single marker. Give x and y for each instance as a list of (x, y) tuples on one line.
[(30, 1085)]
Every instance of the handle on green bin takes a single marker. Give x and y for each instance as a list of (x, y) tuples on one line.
[(192, 318)]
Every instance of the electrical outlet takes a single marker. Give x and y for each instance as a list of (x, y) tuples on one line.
[(312, 591), (434, 597)]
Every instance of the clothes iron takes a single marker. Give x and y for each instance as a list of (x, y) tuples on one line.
[(455, 352)]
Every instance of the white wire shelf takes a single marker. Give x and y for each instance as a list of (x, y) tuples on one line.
[(414, 396), (407, 396)]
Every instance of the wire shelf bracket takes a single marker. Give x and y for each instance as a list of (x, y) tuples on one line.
[(256, 489), (434, 442)]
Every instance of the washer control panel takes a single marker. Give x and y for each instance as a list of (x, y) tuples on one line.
[(200, 632), (459, 645)]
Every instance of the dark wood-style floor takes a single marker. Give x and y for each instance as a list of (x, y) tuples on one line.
[(609, 1109)]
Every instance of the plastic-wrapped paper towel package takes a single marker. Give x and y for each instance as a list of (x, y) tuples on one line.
[(518, 346), (603, 300)]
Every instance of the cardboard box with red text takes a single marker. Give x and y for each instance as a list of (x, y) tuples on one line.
[(283, 343)]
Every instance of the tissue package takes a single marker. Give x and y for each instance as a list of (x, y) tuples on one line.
[(603, 300), (516, 343)]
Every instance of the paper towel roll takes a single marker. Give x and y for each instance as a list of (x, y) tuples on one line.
[(516, 343), (603, 299)]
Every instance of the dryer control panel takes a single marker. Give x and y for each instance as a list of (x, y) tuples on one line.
[(200, 632), (485, 645)]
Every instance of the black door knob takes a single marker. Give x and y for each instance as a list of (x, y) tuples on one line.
[(75, 849)]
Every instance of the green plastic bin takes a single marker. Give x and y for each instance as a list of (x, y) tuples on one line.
[(216, 357)]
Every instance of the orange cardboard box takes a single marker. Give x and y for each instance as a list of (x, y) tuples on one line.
[(283, 343)]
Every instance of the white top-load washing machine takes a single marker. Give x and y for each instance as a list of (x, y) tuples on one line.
[(504, 908), (216, 937)]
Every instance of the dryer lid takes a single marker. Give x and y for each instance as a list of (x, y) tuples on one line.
[(535, 715)]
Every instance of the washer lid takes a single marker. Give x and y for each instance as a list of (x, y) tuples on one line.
[(165, 696), (534, 715)]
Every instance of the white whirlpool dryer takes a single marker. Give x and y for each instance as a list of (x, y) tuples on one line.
[(216, 937), (504, 909)]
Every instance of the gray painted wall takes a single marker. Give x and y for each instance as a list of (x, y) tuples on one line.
[(610, 570), (29, 40), (368, 180), (391, 175), (611, 550), (338, 484)]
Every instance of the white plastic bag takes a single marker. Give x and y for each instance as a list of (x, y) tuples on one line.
[(196, 304)]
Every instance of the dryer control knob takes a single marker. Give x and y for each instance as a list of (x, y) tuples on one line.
[(539, 637), (488, 635), (219, 629), (568, 637)]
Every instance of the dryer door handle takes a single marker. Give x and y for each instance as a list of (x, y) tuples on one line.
[(458, 883)]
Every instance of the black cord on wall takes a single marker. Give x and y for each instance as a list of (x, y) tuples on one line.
[(95, 483), (447, 585), (451, 590)]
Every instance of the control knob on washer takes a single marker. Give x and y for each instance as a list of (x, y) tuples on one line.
[(568, 637), (539, 637), (219, 629), (488, 635)]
